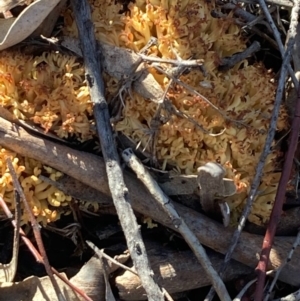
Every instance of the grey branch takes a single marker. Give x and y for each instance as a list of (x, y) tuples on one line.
[(179, 223), (228, 63), (115, 177)]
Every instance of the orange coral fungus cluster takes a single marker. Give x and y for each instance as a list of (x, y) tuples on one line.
[(46, 201), (47, 90), (245, 93), (50, 91)]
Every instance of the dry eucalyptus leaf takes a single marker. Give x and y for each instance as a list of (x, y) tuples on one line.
[(47, 26), (15, 30), (35, 289), (90, 278), (6, 5)]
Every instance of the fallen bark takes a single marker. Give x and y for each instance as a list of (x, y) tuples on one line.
[(90, 170), (177, 271), (35, 289), (118, 62)]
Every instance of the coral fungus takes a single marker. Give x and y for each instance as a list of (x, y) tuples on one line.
[(50, 91)]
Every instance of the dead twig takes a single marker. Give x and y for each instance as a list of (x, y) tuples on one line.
[(265, 36), (178, 63), (37, 255), (245, 288), (126, 83), (249, 18), (109, 296), (116, 182), (189, 88), (156, 120), (145, 85), (133, 162), (167, 295), (285, 3), (28, 243), (260, 167), (173, 110), (228, 63), (101, 253), (36, 229)]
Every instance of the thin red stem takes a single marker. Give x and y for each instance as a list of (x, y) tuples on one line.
[(279, 200), (38, 256)]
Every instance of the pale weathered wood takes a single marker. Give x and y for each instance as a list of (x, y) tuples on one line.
[(90, 170), (177, 271)]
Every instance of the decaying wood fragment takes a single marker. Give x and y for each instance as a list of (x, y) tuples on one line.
[(77, 190), (118, 62), (179, 271), (213, 185), (179, 184), (90, 170)]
